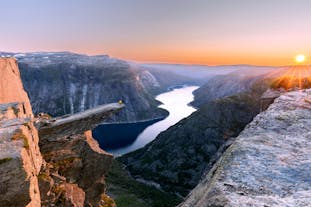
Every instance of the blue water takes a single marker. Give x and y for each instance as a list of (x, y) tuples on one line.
[(117, 136), (123, 138)]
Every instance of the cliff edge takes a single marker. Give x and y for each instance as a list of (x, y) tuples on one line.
[(268, 164), (20, 157)]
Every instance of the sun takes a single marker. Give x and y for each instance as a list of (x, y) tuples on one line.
[(300, 58)]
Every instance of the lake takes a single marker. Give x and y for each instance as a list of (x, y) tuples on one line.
[(123, 138)]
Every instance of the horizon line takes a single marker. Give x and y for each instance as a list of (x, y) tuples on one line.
[(149, 62)]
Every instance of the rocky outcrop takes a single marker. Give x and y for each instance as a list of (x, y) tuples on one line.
[(20, 158), (78, 123), (11, 86), (65, 167), (268, 164), (75, 161), (73, 157)]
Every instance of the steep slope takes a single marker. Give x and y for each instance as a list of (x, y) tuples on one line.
[(232, 83), (63, 83), (128, 192), (269, 162), (160, 80), (288, 78), (178, 157)]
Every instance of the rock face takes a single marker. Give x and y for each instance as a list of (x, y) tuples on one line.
[(11, 86), (268, 98), (20, 158), (73, 157), (77, 162), (268, 164), (65, 167), (157, 81), (66, 83)]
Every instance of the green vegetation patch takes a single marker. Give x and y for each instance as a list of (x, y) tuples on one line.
[(43, 176), (106, 201), (127, 192), (66, 163), (16, 111), (4, 160), (18, 135)]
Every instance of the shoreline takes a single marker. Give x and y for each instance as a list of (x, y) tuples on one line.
[(135, 122), (131, 143), (157, 118)]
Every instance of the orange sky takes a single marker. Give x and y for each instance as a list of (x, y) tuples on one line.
[(212, 32)]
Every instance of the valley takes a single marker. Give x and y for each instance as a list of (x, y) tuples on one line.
[(160, 103), (165, 157)]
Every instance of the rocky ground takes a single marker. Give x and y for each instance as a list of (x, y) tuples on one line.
[(268, 164)]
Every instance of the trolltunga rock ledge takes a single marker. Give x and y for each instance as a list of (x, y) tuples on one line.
[(77, 123), (268, 165)]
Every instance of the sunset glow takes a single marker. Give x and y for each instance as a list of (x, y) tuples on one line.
[(296, 77), (300, 58), (205, 32)]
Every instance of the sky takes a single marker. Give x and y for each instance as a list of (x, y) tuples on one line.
[(212, 32)]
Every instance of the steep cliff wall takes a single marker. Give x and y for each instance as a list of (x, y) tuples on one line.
[(268, 164), (11, 86), (20, 158), (65, 167), (66, 83)]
